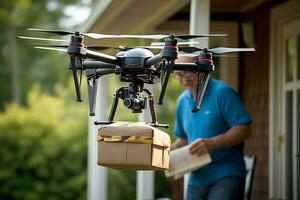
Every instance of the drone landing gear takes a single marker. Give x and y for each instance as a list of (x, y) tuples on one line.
[(201, 88), (133, 100), (154, 122)]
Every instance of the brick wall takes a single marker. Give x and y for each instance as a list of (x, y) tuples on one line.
[(254, 90)]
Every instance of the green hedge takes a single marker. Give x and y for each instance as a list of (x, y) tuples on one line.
[(43, 148)]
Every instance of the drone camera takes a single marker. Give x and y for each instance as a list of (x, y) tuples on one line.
[(135, 103), (133, 99)]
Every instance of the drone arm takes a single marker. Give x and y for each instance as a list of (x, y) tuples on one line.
[(185, 66), (153, 60), (193, 67), (97, 65), (101, 72), (102, 57)]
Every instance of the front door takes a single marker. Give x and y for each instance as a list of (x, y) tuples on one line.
[(285, 89), (291, 107)]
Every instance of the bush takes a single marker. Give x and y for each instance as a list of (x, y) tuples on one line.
[(43, 148)]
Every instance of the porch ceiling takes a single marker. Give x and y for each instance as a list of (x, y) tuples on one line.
[(234, 6), (135, 16), (140, 16)]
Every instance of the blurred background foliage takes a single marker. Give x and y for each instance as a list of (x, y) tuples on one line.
[(43, 130), (43, 147), (21, 65)]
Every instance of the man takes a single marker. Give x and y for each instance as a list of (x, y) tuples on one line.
[(220, 127)]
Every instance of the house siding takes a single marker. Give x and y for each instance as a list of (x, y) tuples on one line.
[(254, 91)]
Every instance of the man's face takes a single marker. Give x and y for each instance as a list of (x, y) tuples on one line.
[(188, 79)]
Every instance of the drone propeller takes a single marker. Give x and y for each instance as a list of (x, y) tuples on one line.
[(51, 48), (178, 43), (188, 36), (188, 49), (51, 45), (57, 32), (93, 47), (218, 50), (62, 32), (43, 39), (99, 48), (154, 45), (105, 36)]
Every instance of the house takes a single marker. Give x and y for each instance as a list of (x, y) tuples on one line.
[(268, 81)]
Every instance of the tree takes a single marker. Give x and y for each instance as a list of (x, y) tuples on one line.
[(21, 65)]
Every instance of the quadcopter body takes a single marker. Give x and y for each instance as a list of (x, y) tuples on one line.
[(135, 65)]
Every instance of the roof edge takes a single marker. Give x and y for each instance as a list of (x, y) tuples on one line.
[(97, 11)]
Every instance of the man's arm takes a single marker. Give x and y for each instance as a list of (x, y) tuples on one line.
[(232, 137), (179, 142)]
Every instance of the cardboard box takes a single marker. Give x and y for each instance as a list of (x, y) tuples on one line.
[(133, 146)]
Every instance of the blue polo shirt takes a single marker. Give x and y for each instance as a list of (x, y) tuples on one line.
[(220, 110)]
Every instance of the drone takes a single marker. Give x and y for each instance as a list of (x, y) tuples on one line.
[(137, 65)]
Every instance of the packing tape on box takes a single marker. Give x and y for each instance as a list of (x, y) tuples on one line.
[(132, 139)]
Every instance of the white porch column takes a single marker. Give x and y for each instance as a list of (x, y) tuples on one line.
[(145, 185), (200, 19), (199, 23), (97, 175), (145, 179)]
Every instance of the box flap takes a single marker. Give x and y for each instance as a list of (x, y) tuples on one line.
[(126, 129), (134, 132), (161, 138)]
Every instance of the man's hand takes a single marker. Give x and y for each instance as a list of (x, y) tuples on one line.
[(202, 146), (232, 137)]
